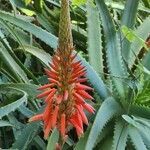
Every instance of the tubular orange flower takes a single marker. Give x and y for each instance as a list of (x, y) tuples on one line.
[(66, 93)]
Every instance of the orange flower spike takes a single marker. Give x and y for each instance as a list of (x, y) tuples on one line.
[(51, 74), (79, 98), (36, 118), (54, 117), (47, 111), (63, 125), (78, 128), (45, 93), (80, 80), (57, 147), (66, 95), (89, 108), (47, 129), (84, 94), (59, 98), (83, 87), (78, 74), (79, 120), (76, 64), (46, 86), (83, 116), (50, 96)]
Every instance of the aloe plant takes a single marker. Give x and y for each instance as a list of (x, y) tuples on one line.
[(118, 70)]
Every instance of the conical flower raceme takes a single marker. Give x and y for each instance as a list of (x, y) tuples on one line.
[(65, 95)]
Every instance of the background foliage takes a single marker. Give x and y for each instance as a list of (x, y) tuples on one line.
[(112, 39)]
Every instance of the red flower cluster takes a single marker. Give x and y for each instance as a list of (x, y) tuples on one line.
[(65, 95)]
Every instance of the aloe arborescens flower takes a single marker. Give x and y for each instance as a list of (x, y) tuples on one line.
[(65, 94)]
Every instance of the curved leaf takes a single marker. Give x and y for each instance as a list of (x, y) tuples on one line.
[(95, 80), (141, 111), (142, 125), (5, 123), (136, 139), (5, 110), (136, 46), (128, 19), (53, 139), (120, 136), (12, 67), (114, 59), (107, 111), (94, 38), (43, 35), (25, 138), (83, 140), (30, 89), (39, 53)]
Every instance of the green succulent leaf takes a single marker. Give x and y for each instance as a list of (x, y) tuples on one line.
[(131, 36), (4, 123), (39, 53), (136, 139), (136, 46), (83, 140), (113, 50), (142, 125), (53, 139), (128, 19), (106, 112), (5, 110), (139, 110), (94, 39), (45, 36), (27, 135), (30, 89), (120, 135), (11, 65)]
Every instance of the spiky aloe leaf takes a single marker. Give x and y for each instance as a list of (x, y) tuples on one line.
[(82, 142), (39, 142), (17, 126), (106, 112), (5, 110), (136, 46), (11, 65), (39, 53), (139, 110), (30, 89), (136, 139), (6, 66), (10, 51), (120, 135), (94, 38), (142, 125), (4, 123), (114, 58), (106, 145), (27, 135), (35, 30), (128, 19), (145, 61), (53, 139)]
